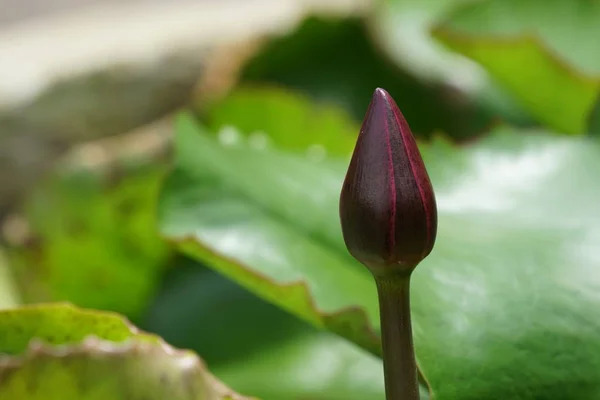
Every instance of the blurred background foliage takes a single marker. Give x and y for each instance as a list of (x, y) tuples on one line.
[(82, 163)]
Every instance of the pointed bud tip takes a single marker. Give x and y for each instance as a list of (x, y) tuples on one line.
[(387, 205), (380, 92), (380, 95)]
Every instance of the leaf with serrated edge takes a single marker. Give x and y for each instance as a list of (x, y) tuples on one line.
[(263, 261), (511, 280)]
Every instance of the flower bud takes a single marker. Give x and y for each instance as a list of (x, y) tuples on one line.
[(387, 205)]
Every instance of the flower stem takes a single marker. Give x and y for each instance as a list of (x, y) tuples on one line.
[(400, 367)]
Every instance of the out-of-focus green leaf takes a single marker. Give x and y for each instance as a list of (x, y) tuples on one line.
[(267, 113), (511, 285), (402, 30), (544, 52), (199, 309), (336, 61), (593, 123), (58, 351), (277, 357), (93, 240), (8, 291), (402, 27), (60, 324), (311, 365)]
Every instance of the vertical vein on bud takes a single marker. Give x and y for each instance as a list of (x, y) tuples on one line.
[(392, 175), (407, 137)]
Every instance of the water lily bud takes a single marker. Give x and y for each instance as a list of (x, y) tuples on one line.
[(387, 205)]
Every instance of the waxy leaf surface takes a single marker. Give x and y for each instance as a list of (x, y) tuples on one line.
[(510, 289)]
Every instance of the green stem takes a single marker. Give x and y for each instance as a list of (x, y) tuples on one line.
[(400, 367)]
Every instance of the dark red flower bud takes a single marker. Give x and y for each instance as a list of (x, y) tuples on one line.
[(387, 206)]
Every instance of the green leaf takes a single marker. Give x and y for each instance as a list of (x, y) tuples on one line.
[(505, 305), (336, 60), (199, 309), (8, 291), (311, 365), (402, 29), (544, 53), (258, 111), (60, 324), (61, 352), (92, 239), (246, 228), (593, 126), (512, 280)]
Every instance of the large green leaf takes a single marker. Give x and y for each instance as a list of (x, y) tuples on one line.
[(505, 307), (219, 212), (512, 282), (544, 52), (58, 351)]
